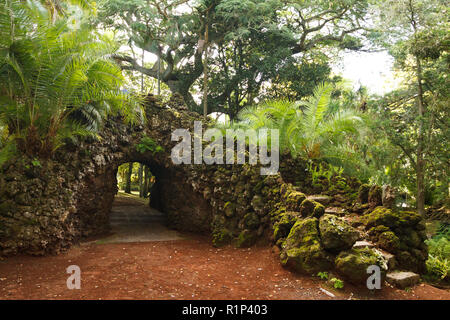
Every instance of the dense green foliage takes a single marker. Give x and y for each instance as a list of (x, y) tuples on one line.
[(148, 144), (308, 128), (66, 65), (414, 118), (57, 81), (253, 41), (438, 263)]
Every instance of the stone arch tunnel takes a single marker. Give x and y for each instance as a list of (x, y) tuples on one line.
[(45, 208)]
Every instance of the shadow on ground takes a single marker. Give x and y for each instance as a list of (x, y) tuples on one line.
[(132, 220)]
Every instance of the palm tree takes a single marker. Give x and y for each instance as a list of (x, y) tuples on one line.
[(318, 133), (307, 128), (55, 82)]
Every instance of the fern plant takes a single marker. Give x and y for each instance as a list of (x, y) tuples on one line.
[(55, 82), (438, 263), (307, 128)]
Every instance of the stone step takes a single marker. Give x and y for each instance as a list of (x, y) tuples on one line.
[(335, 210), (136, 214), (320, 198), (363, 244), (403, 279), (135, 219), (390, 258)]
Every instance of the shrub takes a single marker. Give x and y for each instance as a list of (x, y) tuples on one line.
[(148, 144), (56, 83), (438, 263), (337, 283)]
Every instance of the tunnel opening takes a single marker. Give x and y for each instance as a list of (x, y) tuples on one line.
[(136, 214), (143, 180), (135, 178), (169, 197)]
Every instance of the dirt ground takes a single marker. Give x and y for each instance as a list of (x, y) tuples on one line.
[(186, 268), (183, 269)]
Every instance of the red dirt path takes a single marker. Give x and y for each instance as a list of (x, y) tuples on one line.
[(184, 269)]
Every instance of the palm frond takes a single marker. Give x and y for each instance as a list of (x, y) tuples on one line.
[(56, 76)]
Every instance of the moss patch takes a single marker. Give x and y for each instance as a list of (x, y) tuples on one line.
[(336, 233), (303, 251), (310, 208), (294, 200), (246, 238), (221, 237), (353, 264), (391, 219), (282, 228)]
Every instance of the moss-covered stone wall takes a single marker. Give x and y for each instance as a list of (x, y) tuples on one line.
[(45, 206)]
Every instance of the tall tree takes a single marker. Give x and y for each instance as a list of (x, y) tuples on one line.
[(146, 181), (269, 32), (128, 180), (141, 180), (417, 37)]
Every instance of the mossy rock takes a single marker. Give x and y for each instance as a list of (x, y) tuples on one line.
[(284, 225), (420, 254), (392, 219), (221, 237), (306, 259), (389, 241), (258, 203), (303, 251), (336, 233), (375, 196), (294, 200), (412, 239), (4, 232), (353, 264), (375, 232), (310, 208), (7, 208), (251, 220), (319, 210), (363, 193), (246, 238), (229, 209), (304, 232), (407, 261)]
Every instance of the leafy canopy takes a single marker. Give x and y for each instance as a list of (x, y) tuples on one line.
[(56, 82), (308, 128)]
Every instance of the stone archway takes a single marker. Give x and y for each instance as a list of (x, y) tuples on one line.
[(45, 207), (185, 208)]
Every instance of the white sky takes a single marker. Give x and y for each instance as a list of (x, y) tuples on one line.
[(373, 70)]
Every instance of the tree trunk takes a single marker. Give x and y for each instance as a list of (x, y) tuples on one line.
[(146, 179), (128, 182), (177, 86), (421, 165), (205, 74), (140, 176)]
